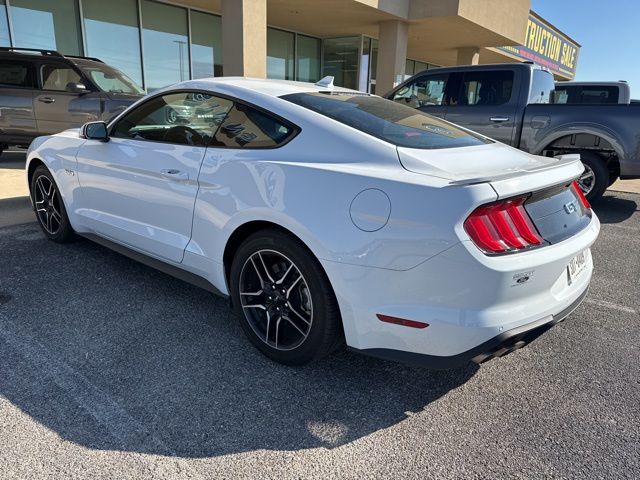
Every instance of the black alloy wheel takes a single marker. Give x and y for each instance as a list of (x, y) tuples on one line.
[(285, 302)]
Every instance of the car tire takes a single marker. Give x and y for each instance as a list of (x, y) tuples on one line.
[(596, 172), (296, 322), (49, 207)]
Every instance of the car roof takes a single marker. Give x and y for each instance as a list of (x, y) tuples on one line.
[(86, 61), (269, 87), (47, 56)]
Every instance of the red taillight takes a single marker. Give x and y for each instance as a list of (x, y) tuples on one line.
[(502, 227), (583, 199)]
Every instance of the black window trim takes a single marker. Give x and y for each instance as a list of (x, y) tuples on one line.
[(295, 129), (83, 78), (424, 76), (33, 72), (489, 71), (580, 89), (456, 76)]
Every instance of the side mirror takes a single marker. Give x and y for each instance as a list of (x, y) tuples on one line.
[(95, 131), (79, 88)]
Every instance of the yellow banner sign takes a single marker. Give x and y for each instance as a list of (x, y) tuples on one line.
[(548, 47)]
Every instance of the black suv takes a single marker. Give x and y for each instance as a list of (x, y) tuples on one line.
[(44, 92)]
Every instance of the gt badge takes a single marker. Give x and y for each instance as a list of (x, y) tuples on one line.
[(570, 207)]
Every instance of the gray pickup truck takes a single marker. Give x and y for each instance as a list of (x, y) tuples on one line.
[(513, 103)]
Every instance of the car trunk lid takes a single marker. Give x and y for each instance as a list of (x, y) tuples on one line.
[(509, 171), (543, 185)]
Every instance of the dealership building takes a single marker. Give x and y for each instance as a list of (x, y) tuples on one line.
[(369, 45)]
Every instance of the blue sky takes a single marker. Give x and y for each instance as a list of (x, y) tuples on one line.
[(609, 32)]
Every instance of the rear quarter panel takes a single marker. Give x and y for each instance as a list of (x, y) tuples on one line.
[(293, 188), (618, 124)]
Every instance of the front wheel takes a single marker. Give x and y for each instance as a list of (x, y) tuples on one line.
[(284, 300), (49, 208)]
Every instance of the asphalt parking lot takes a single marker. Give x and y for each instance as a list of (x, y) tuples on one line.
[(109, 369)]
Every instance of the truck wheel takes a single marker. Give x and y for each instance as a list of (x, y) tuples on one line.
[(595, 178)]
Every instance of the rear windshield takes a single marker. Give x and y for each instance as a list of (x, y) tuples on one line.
[(397, 124), (586, 94)]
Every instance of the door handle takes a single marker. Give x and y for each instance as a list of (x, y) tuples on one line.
[(173, 174), (46, 99), (499, 119)]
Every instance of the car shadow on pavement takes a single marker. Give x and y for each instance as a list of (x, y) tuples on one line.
[(110, 354), (15, 211), (615, 207), (14, 159)]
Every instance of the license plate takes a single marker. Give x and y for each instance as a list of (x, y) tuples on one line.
[(577, 266)]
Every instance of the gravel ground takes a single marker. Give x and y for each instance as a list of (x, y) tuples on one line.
[(109, 369)]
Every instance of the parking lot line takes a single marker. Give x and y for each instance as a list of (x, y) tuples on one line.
[(614, 306), (101, 406)]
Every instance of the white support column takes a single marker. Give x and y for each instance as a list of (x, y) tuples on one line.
[(468, 56), (392, 54), (244, 38)]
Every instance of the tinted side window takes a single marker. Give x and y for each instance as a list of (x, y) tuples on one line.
[(16, 74), (586, 94), (246, 127), (185, 118), (604, 94), (542, 87), (486, 88), (57, 77), (423, 91)]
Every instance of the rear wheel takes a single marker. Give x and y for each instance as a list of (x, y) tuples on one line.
[(284, 300), (595, 179), (49, 208)]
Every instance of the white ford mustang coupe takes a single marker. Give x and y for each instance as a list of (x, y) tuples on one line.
[(328, 216)]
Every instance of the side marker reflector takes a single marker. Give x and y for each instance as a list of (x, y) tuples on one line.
[(401, 321)]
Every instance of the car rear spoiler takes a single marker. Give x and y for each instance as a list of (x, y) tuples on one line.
[(567, 168)]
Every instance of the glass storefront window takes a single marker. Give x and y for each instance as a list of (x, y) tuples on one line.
[(341, 60), (374, 65), (47, 25), (308, 59), (409, 68), (206, 45), (280, 54), (420, 66), (365, 64), (112, 34), (165, 44), (5, 40), (414, 66)]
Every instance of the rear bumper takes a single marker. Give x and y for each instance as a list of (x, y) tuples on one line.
[(498, 346), (473, 303)]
